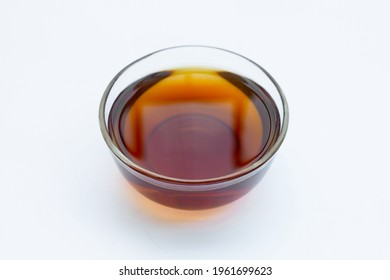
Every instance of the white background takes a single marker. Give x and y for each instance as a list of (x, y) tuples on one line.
[(325, 197)]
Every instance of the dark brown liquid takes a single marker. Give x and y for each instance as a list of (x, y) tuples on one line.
[(194, 123)]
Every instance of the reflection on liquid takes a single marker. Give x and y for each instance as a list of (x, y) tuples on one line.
[(193, 125)]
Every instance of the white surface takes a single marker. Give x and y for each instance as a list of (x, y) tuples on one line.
[(326, 195)]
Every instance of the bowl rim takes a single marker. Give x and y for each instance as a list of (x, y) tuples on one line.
[(256, 165)]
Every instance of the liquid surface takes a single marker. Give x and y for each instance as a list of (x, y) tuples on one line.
[(194, 123)]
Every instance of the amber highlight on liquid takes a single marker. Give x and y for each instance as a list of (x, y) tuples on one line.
[(193, 124)]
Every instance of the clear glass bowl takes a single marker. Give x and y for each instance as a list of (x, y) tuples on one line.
[(192, 194)]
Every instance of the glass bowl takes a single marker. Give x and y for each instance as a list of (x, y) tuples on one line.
[(193, 193)]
